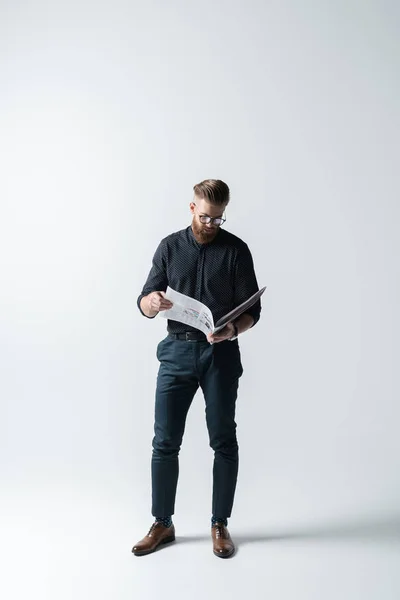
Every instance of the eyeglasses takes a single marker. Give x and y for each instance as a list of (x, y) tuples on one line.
[(214, 220)]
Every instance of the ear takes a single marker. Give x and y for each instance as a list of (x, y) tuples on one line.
[(192, 205)]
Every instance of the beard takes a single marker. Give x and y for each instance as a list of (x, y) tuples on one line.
[(201, 233)]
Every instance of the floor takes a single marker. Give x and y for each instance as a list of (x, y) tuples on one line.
[(65, 545)]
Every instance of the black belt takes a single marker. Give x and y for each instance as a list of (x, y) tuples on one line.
[(189, 336)]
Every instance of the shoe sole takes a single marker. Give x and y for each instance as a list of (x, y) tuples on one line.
[(166, 540)]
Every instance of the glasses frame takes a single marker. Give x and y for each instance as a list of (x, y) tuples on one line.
[(206, 219)]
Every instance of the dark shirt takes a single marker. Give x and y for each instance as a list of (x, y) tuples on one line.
[(220, 274)]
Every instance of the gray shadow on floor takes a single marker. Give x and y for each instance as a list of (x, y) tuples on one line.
[(384, 528)]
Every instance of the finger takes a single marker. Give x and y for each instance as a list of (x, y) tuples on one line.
[(218, 338), (164, 301), (165, 304), (155, 304), (163, 307)]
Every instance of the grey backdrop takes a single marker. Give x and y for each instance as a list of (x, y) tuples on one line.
[(109, 114)]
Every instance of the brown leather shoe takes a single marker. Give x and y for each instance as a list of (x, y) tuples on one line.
[(158, 534), (222, 542)]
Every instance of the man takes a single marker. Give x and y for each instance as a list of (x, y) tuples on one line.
[(215, 267)]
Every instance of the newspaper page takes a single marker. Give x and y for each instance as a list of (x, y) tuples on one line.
[(188, 310), (236, 312)]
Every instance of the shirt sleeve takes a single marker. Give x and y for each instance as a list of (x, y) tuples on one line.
[(246, 282), (157, 280)]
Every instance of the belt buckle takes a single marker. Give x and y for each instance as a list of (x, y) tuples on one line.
[(187, 335)]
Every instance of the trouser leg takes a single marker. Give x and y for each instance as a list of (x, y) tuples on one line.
[(176, 387), (220, 382)]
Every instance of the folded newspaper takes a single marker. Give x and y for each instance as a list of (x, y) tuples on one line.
[(196, 314)]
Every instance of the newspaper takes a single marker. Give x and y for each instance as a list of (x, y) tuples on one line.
[(196, 314), (188, 310)]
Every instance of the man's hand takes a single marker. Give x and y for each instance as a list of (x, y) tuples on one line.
[(158, 302), (153, 303), (225, 334)]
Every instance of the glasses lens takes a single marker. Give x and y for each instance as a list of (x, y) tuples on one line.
[(205, 219), (218, 221)]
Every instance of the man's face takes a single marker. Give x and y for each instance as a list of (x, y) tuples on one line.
[(204, 232)]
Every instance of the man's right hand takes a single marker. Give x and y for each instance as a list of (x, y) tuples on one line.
[(157, 302)]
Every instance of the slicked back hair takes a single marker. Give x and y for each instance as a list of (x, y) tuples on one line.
[(213, 191)]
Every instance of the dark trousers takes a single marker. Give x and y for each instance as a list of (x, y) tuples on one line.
[(184, 366)]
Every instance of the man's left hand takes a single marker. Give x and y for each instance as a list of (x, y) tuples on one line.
[(225, 334)]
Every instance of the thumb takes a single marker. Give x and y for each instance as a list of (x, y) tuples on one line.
[(164, 295)]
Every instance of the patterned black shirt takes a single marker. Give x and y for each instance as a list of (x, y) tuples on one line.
[(220, 274)]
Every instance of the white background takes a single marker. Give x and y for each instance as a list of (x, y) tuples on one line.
[(110, 112)]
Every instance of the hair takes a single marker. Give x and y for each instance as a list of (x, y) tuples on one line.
[(213, 191)]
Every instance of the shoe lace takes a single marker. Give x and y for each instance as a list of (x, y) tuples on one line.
[(219, 530), (152, 528)]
